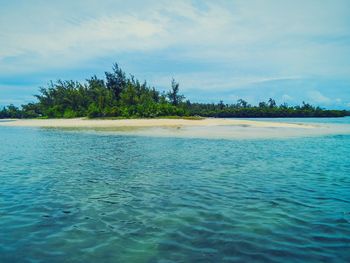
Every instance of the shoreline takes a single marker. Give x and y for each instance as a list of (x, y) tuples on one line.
[(206, 128), (151, 123)]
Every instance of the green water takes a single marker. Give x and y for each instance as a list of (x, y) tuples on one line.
[(82, 197)]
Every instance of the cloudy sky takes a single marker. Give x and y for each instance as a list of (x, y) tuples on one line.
[(291, 50)]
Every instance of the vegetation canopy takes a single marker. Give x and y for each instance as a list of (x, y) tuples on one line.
[(125, 97)]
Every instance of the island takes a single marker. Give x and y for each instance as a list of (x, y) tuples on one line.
[(120, 96)]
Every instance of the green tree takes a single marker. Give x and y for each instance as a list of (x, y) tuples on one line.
[(118, 95), (272, 103), (116, 81), (173, 95)]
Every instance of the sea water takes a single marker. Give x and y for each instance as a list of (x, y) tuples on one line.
[(95, 197)]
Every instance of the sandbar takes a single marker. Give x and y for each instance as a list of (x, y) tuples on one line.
[(109, 123)]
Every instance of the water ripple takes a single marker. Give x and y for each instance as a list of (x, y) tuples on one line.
[(89, 197)]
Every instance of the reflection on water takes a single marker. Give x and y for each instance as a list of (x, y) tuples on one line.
[(92, 197)]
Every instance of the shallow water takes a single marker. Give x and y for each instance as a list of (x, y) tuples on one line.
[(249, 131), (342, 120), (88, 197)]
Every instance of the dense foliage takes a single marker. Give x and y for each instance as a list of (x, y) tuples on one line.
[(122, 96)]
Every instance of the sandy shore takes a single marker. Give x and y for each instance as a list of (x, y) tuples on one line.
[(209, 128), (98, 123)]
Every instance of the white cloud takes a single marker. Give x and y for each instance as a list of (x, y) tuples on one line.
[(223, 46), (78, 43), (97, 35), (275, 38), (213, 81), (338, 100), (318, 97), (286, 98)]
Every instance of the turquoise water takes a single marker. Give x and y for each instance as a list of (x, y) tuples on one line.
[(82, 197), (345, 120)]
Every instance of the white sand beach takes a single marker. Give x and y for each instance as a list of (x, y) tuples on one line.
[(119, 123), (209, 128)]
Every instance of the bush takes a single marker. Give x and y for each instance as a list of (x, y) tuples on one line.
[(94, 111), (69, 113)]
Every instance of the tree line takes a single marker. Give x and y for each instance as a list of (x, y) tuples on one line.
[(119, 95)]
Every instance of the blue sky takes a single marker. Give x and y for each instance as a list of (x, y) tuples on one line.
[(289, 50)]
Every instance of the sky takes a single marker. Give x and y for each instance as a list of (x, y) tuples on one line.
[(290, 50)]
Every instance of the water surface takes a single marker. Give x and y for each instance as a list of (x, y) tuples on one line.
[(95, 197)]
